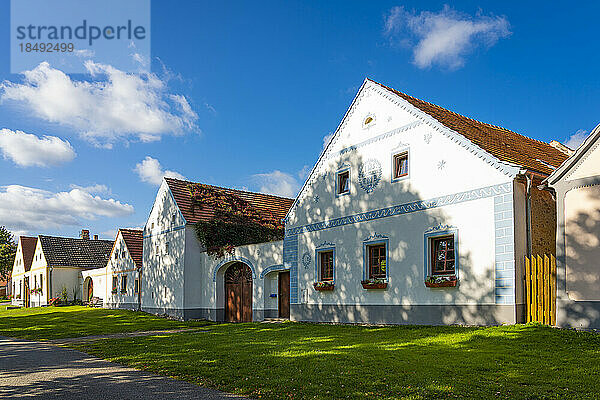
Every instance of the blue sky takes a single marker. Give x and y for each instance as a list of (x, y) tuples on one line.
[(265, 83)]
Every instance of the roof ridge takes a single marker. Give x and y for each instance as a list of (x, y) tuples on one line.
[(131, 230), (226, 188), (76, 238), (458, 114)]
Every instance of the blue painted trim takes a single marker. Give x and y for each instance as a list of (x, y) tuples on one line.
[(318, 263), (394, 154), (165, 231), (382, 239), (406, 208), (233, 259), (432, 234), (273, 268), (337, 174)]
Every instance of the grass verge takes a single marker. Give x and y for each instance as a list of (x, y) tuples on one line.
[(42, 323), (295, 360)]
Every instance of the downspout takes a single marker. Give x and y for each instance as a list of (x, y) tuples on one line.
[(50, 291), (528, 213), (140, 289)]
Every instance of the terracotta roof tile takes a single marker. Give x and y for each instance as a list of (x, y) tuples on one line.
[(134, 240), (502, 143), (28, 248), (71, 252), (278, 206)]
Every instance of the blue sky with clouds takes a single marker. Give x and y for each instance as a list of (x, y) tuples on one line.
[(242, 95)]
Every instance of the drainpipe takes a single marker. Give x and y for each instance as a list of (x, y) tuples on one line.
[(50, 283), (140, 289), (528, 212)]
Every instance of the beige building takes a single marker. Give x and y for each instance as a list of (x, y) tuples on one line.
[(577, 187)]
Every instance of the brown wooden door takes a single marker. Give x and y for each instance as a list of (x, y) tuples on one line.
[(284, 294), (238, 293), (26, 293)]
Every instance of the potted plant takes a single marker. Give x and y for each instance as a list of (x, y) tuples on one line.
[(374, 283), (323, 286), (441, 281)]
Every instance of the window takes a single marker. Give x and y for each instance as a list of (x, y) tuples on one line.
[(326, 265), (400, 165), (136, 286), (41, 281), (167, 247), (115, 283), (343, 182), (152, 226), (442, 255), (376, 261), (35, 281), (173, 218), (124, 284)]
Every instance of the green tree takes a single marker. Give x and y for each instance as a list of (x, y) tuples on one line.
[(8, 249)]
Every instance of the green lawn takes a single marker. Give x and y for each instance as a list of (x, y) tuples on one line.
[(43, 323), (294, 360)]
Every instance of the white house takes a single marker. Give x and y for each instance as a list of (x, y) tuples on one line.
[(416, 214), (57, 264), (20, 273), (577, 188), (180, 279)]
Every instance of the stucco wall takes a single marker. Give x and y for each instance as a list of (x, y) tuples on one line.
[(121, 265), (163, 269), (448, 184), (99, 283)]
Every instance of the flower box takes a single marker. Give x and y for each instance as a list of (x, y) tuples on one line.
[(323, 286), (441, 281), (374, 284)]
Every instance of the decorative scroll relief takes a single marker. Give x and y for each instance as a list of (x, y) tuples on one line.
[(461, 197)]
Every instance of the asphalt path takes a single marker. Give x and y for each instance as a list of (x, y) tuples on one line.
[(41, 370)]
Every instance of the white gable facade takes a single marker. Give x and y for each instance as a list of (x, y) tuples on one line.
[(577, 187), (451, 189)]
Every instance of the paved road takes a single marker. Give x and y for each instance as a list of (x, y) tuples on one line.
[(39, 370)]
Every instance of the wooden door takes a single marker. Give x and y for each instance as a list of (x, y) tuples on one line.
[(238, 293), (284, 294)]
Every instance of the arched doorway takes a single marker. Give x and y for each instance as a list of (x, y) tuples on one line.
[(238, 293), (89, 289)]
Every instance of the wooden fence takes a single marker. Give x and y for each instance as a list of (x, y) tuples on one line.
[(540, 289)]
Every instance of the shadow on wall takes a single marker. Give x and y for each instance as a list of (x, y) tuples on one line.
[(582, 245), (406, 300)]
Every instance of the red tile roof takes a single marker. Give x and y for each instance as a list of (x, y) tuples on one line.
[(134, 241), (277, 206), (28, 248), (502, 143), (75, 252)]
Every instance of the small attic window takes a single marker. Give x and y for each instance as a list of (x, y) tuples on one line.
[(368, 120)]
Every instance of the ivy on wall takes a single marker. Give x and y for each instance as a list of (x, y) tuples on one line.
[(233, 221)]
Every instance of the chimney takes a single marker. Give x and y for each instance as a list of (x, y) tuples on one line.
[(85, 234), (95, 237)]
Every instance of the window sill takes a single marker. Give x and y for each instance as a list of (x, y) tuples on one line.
[(373, 285), (447, 281), (323, 286)]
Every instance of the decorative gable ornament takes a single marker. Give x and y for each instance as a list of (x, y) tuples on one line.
[(369, 175)]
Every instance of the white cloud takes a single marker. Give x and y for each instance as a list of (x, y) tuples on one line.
[(150, 171), (576, 139), (113, 105), (29, 209), (93, 189), (445, 37), (277, 183), (29, 150)]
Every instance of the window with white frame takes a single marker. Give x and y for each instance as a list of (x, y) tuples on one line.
[(342, 182), (441, 253), (376, 261), (124, 284), (400, 165), (115, 283), (326, 265), (136, 286)]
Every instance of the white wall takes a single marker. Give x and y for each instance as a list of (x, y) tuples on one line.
[(121, 265), (99, 282), (439, 165), (163, 271)]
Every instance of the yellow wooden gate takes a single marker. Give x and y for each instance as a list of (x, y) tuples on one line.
[(540, 289)]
